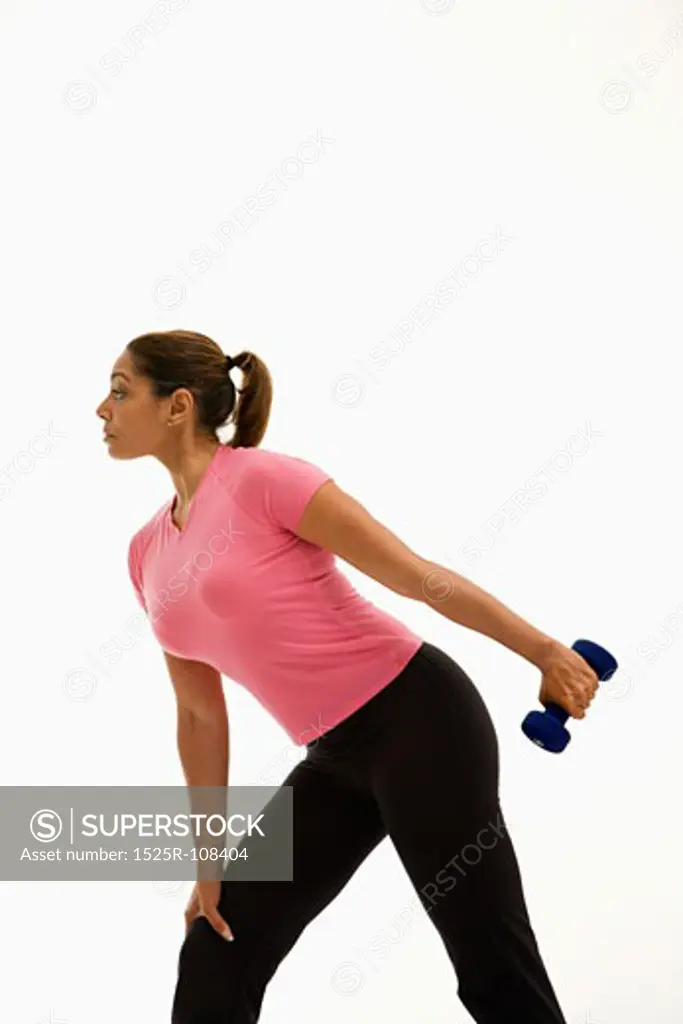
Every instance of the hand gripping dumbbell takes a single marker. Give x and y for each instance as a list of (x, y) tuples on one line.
[(546, 728)]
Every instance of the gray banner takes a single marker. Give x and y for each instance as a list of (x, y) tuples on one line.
[(140, 833)]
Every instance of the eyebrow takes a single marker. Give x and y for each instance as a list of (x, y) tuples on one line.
[(118, 373)]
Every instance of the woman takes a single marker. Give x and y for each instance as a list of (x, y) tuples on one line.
[(398, 740)]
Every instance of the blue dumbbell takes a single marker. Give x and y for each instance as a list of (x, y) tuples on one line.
[(546, 728)]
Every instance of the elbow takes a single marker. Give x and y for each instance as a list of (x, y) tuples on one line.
[(202, 715)]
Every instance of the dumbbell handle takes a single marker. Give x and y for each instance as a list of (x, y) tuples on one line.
[(601, 661), (546, 728)]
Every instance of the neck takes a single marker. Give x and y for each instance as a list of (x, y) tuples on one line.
[(187, 467)]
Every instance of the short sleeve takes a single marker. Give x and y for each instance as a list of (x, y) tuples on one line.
[(277, 488), (135, 573)]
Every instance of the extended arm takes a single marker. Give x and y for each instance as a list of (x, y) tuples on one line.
[(336, 521)]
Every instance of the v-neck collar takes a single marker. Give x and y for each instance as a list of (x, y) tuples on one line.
[(208, 472)]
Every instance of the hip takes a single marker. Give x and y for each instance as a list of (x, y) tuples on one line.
[(431, 704)]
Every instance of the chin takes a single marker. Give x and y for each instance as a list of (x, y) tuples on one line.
[(118, 453)]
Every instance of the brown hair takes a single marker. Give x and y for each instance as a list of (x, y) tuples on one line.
[(186, 359)]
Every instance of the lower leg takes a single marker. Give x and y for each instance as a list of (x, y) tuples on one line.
[(484, 923)]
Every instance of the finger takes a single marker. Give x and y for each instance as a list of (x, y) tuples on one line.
[(570, 706), (217, 922), (582, 697), (576, 706)]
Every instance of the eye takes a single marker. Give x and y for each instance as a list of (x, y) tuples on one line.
[(117, 391)]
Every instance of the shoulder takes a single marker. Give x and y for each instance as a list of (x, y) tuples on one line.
[(245, 467), (256, 459), (272, 486)]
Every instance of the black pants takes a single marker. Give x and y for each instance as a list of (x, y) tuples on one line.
[(419, 763)]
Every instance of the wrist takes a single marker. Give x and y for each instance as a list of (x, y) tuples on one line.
[(543, 651)]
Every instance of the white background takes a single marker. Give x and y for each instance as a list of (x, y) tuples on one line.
[(450, 122)]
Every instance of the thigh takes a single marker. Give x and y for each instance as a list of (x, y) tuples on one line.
[(334, 828), (437, 792)]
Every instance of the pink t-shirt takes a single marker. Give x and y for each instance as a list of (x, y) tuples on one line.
[(238, 589)]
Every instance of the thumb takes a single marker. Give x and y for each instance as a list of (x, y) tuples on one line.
[(217, 922)]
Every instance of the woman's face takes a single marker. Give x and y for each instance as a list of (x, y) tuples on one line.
[(134, 420)]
